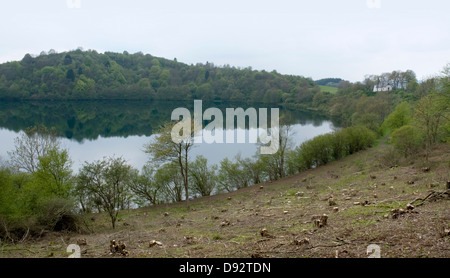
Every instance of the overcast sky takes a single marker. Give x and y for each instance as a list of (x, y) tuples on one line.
[(318, 39)]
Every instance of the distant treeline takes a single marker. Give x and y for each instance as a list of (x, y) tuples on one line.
[(79, 74), (331, 82)]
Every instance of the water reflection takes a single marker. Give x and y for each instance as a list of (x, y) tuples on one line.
[(92, 130)]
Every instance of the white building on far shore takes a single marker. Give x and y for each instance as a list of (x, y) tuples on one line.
[(382, 89)]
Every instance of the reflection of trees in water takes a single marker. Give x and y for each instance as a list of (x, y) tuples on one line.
[(80, 120)]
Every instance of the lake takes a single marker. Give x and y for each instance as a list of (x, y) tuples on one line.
[(91, 130)]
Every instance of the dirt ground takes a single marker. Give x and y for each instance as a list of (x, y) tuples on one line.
[(398, 210)]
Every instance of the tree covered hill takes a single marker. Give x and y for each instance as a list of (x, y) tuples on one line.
[(88, 74), (331, 82)]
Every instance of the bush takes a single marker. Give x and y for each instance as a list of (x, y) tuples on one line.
[(294, 164), (15, 229), (358, 138), (338, 145), (322, 146), (53, 215), (58, 214), (315, 152), (390, 158), (325, 148), (407, 140)]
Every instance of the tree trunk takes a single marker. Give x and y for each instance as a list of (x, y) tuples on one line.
[(186, 178)]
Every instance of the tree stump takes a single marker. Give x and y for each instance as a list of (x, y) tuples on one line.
[(331, 201), (304, 241), (320, 221)]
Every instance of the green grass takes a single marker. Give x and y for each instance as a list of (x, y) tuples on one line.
[(329, 89)]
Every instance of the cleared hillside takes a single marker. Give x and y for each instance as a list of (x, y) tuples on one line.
[(365, 197)]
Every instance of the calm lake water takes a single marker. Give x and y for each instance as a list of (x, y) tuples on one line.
[(91, 130)]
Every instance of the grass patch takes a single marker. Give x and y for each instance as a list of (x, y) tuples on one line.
[(358, 211), (292, 192), (364, 222), (331, 90)]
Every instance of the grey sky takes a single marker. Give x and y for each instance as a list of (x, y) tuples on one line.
[(346, 38)]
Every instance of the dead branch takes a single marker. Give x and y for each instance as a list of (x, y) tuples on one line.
[(433, 195), (326, 246), (25, 235), (8, 235)]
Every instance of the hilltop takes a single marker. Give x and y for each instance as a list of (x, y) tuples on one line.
[(368, 200), (79, 74)]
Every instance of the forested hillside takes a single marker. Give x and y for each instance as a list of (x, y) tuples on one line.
[(91, 75)]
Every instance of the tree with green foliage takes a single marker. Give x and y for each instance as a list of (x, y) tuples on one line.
[(70, 75), (402, 115), (90, 75), (274, 164), (145, 187), (55, 174), (67, 60), (38, 194), (107, 181), (431, 114), (163, 148), (370, 111), (9, 194), (203, 176), (168, 177), (232, 176), (407, 140), (254, 168)]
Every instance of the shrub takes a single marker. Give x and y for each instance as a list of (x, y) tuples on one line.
[(323, 151), (315, 152), (58, 214), (294, 163), (390, 157), (328, 147), (338, 145), (407, 140), (358, 138)]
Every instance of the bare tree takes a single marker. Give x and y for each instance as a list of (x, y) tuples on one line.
[(33, 143)]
